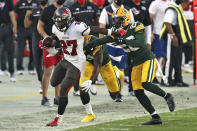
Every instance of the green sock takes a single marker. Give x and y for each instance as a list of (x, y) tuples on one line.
[(154, 89), (144, 100)]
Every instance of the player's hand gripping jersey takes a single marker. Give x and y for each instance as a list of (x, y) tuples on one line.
[(133, 43)]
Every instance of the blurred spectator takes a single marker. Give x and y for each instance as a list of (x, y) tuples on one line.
[(8, 27), (187, 48), (147, 3), (68, 3), (157, 13), (178, 34), (117, 54), (4, 60), (140, 13), (85, 11), (44, 27), (31, 18), (24, 34)]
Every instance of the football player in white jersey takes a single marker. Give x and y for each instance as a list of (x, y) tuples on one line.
[(69, 34)]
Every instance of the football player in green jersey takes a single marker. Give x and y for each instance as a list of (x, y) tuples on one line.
[(98, 61), (142, 60)]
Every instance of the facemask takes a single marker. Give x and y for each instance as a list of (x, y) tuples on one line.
[(43, 2), (60, 2), (137, 0), (119, 2), (81, 2)]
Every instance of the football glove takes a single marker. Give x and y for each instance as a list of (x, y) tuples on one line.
[(114, 32), (86, 85), (48, 42)]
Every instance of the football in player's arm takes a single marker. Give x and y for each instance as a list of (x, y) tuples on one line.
[(70, 35)]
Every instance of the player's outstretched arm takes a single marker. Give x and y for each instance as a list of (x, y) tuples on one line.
[(97, 42), (112, 31)]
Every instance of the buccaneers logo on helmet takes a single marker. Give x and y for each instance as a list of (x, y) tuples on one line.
[(62, 18)]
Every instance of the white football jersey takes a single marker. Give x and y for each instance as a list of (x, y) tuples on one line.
[(72, 43)]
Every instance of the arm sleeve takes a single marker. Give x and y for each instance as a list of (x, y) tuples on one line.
[(83, 29), (153, 8), (97, 42), (132, 17), (103, 17), (148, 34), (170, 16)]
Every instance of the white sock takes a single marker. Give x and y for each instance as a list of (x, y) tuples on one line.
[(88, 108), (59, 115), (154, 113)]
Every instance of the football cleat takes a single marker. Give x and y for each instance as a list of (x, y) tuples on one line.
[(118, 97), (89, 118), (170, 101), (57, 121), (56, 101), (153, 121), (45, 102), (93, 90)]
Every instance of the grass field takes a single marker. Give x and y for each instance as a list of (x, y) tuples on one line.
[(183, 120)]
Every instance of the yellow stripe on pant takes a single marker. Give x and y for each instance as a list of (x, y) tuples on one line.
[(144, 72)]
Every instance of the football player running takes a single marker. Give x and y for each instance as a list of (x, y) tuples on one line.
[(69, 34), (142, 59), (98, 61)]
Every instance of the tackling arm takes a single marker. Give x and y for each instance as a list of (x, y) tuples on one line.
[(97, 30), (98, 42), (136, 42)]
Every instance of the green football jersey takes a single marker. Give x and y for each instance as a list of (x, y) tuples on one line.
[(90, 53), (134, 45)]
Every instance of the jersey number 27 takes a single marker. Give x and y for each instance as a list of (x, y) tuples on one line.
[(65, 45)]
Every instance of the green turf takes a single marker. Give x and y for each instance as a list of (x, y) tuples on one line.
[(184, 120)]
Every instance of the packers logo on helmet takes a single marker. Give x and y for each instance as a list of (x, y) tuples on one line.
[(123, 16)]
